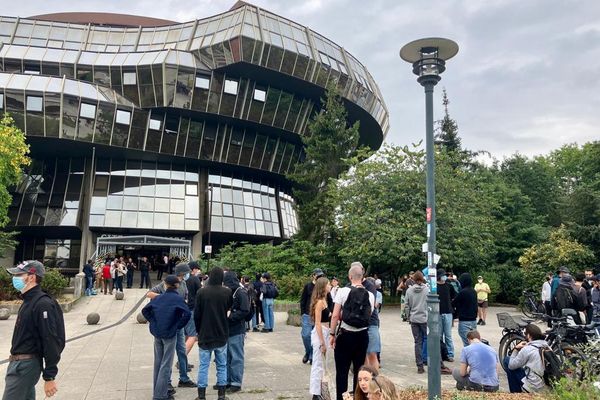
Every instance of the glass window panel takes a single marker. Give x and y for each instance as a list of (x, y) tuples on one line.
[(228, 225), (268, 229), (226, 195), (96, 220), (192, 225), (217, 209), (260, 95), (216, 224), (34, 103), (202, 82), (260, 228), (227, 210), (161, 221), (146, 204), (177, 206), (147, 187), (112, 218), (161, 205), (231, 86), (123, 117), (130, 203), (192, 207), (129, 78), (162, 188), (145, 220), (191, 190), (250, 227), (249, 212), (240, 226), (115, 202), (177, 221), (238, 211), (87, 111), (155, 124), (256, 200), (237, 197), (258, 214), (216, 194)]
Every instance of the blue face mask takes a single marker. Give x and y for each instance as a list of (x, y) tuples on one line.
[(186, 276), (18, 283), (444, 278)]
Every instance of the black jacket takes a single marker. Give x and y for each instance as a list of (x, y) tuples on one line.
[(240, 304), (193, 285), (305, 298), (88, 270), (210, 315), (465, 301), (446, 294), (40, 329), (269, 290)]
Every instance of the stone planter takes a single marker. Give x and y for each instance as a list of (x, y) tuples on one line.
[(294, 318)]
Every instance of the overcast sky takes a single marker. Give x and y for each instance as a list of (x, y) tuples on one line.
[(526, 77)]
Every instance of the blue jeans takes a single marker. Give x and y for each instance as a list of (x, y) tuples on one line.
[(220, 361), (164, 350), (465, 327), (89, 285), (447, 333), (307, 327), (268, 311), (235, 360), (514, 376), (182, 356)]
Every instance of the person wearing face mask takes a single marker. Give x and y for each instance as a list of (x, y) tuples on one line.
[(446, 294), (182, 271), (38, 338), (483, 290)]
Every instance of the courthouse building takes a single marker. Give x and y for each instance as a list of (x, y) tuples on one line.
[(149, 136)]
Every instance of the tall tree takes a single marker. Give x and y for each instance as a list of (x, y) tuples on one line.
[(331, 147), (13, 156), (447, 137)]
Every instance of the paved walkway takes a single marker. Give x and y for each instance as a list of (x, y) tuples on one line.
[(116, 364)]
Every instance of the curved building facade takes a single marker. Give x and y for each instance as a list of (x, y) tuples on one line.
[(155, 136)]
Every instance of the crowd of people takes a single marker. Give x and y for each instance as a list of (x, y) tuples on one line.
[(217, 310)]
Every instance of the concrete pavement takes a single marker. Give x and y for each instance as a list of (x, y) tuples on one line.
[(116, 364)]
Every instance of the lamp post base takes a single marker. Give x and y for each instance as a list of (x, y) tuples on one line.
[(434, 380)]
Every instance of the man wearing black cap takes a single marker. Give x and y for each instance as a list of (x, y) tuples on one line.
[(167, 314), (182, 271), (38, 338), (307, 325)]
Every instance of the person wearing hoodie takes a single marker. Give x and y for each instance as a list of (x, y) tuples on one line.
[(240, 307), (566, 297), (415, 305), (213, 303), (525, 368), (465, 304), (167, 313), (416, 310)]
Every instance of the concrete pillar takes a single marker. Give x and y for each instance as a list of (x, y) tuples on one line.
[(87, 241)]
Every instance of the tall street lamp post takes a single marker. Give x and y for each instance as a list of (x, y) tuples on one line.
[(428, 58)]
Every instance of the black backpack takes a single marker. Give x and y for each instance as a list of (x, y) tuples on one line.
[(251, 308), (565, 297), (552, 365), (356, 311)]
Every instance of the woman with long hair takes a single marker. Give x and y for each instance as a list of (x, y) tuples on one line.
[(321, 316), (365, 374), (381, 388)]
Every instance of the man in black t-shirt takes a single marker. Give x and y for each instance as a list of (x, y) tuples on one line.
[(145, 273), (446, 294)]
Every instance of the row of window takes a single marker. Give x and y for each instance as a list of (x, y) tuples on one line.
[(137, 129), (62, 253)]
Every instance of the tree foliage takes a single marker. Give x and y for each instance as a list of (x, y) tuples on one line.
[(330, 148), (13, 156)]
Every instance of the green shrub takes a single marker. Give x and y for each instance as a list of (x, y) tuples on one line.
[(7, 292), (290, 286), (559, 250), (54, 282), (571, 389)]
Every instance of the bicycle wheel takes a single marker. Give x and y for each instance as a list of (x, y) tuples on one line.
[(573, 362), (529, 308), (507, 345)]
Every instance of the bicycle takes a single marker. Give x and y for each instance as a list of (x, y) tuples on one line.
[(562, 339), (531, 305)]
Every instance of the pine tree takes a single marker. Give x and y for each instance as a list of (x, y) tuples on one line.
[(448, 138), (330, 148)]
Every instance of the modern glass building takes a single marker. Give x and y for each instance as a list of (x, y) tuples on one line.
[(153, 136)]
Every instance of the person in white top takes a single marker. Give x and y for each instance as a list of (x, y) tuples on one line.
[(547, 296), (353, 306)]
